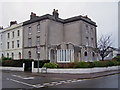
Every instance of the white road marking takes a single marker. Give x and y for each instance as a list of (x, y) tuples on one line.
[(69, 80), (23, 83), (58, 83), (66, 82), (46, 83), (62, 81), (23, 77), (29, 78), (79, 80), (54, 82), (74, 80), (39, 86), (50, 84)]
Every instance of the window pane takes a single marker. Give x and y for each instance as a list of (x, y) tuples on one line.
[(30, 30), (12, 55), (38, 41), (65, 55), (38, 28), (29, 42), (70, 55), (18, 33), (8, 35), (60, 55), (8, 45), (18, 43), (12, 44), (13, 34), (87, 41)]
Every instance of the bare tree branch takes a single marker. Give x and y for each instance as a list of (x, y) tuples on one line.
[(104, 44)]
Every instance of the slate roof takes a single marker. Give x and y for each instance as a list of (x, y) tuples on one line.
[(51, 17)]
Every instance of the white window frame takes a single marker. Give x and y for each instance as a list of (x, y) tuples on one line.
[(38, 28), (29, 30), (18, 33), (29, 42), (18, 43), (61, 55), (38, 41), (13, 34), (87, 41)]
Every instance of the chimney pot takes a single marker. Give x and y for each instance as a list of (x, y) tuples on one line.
[(32, 15), (55, 13), (13, 22)]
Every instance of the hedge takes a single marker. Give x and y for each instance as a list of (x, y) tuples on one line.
[(16, 63), (84, 64), (12, 63), (51, 65), (6, 58), (41, 63)]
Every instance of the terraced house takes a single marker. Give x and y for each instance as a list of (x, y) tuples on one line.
[(2, 42), (60, 40), (13, 40)]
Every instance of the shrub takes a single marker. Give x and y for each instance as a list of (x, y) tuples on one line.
[(71, 65), (50, 65), (115, 62), (41, 63), (117, 58), (90, 64), (110, 63), (82, 65), (12, 63), (100, 64), (17, 63), (67, 65), (6, 58)]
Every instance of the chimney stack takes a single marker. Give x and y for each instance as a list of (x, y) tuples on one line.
[(85, 16), (1, 27), (33, 15), (55, 13), (13, 22)]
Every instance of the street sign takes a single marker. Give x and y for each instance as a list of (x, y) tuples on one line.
[(38, 49)]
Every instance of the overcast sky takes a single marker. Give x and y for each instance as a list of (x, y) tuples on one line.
[(105, 14)]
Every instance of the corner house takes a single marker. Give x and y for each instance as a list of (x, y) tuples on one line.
[(59, 40)]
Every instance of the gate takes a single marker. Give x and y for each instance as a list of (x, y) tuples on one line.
[(28, 66)]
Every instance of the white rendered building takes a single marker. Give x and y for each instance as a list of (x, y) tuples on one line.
[(13, 40)]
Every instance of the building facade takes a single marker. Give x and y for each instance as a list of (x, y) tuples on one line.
[(59, 40), (14, 40), (2, 42), (119, 24)]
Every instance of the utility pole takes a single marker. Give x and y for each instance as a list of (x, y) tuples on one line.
[(38, 54)]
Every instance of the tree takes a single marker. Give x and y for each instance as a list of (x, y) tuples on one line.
[(104, 46)]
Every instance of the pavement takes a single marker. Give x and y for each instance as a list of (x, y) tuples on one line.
[(13, 79), (77, 76)]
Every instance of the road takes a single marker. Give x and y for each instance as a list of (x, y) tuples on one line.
[(14, 79)]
